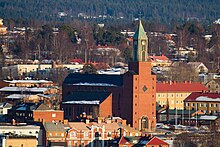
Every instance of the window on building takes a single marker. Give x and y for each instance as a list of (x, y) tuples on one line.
[(158, 95), (86, 134), (119, 100), (73, 134), (109, 134), (53, 115)]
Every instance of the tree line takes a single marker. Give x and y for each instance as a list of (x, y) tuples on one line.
[(162, 11)]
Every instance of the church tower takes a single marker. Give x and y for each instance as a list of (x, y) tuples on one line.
[(140, 41), (143, 83)]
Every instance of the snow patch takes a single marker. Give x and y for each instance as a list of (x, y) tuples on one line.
[(205, 98), (82, 102)]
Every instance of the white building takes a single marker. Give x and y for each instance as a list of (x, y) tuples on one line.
[(23, 129)]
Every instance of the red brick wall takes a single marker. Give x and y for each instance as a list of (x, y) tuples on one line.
[(105, 108), (144, 102), (47, 115)]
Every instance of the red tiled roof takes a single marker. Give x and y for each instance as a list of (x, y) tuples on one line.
[(156, 141), (203, 96), (123, 140), (180, 87), (159, 57)]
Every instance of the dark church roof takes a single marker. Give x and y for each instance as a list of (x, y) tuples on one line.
[(94, 80), (82, 97)]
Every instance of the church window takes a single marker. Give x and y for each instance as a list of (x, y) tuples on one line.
[(119, 99), (143, 48), (144, 88), (143, 55)]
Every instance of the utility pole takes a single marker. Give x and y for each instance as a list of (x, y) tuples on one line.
[(218, 62)]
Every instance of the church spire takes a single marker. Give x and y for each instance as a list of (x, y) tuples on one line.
[(140, 42)]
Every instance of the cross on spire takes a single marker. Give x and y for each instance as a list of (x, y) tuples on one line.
[(140, 15)]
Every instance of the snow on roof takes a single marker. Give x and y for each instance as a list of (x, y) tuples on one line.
[(24, 89), (18, 96), (206, 98), (83, 102), (217, 21), (28, 81), (206, 117), (94, 84)]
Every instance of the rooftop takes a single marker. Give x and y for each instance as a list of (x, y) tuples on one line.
[(200, 96), (180, 87), (93, 80), (81, 97)]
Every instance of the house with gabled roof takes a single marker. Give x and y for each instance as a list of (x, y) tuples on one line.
[(213, 85), (45, 114), (56, 133), (199, 67), (160, 61), (142, 141)]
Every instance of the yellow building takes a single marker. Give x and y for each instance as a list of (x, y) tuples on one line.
[(3, 29), (175, 93), (160, 61), (209, 103), (20, 141)]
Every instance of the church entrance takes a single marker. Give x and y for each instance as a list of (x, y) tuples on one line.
[(144, 123)]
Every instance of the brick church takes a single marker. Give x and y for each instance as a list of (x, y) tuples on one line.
[(131, 96)]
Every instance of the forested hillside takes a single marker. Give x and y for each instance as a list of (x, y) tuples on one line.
[(163, 11)]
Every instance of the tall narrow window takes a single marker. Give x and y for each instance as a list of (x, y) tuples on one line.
[(119, 99)]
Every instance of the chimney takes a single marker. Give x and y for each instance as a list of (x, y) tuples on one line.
[(108, 121), (124, 122), (13, 122), (65, 121), (171, 82), (99, 121)]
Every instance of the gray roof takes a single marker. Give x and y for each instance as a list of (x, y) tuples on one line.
[(55, 127)]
